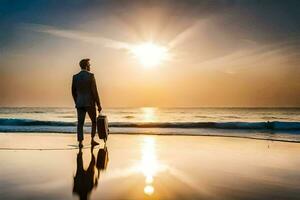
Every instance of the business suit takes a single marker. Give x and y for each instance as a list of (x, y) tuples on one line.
[(85, 95)]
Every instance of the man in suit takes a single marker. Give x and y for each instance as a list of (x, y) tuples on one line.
[(85, 95)]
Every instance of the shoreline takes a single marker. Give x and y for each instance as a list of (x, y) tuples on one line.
[(163, 134)]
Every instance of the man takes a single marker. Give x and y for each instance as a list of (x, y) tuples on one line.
[(85, 95)]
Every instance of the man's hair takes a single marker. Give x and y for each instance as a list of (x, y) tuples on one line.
[(84, 63)]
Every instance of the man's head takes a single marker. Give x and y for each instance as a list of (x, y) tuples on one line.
[(85, 64)]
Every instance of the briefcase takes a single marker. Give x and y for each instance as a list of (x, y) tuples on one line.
[(102, 127)]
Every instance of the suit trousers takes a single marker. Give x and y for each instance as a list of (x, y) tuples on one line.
[(81, 112)]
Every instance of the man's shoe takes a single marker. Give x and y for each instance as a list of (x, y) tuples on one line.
[(94, 143)]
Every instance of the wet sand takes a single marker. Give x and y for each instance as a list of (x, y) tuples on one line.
[(50, 166)]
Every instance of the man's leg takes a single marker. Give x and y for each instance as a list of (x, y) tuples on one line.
[(93, 116), (80, 122)]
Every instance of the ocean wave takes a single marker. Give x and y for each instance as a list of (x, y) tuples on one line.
[(32, 122), (129, 117), (272, 125)]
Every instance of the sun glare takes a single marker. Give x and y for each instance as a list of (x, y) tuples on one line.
[(150, 54)]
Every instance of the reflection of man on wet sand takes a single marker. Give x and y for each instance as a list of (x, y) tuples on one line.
[(85, 180)]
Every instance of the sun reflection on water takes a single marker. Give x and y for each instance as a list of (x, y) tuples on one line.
[(148, 189), (149, 165), (148, 114)]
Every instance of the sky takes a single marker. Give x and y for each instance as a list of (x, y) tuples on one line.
[(225, 53)]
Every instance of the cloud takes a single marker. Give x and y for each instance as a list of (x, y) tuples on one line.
[(184, 34), (256, 55), (79, 36)]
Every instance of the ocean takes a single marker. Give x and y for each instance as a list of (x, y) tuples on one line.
[(280, 124)]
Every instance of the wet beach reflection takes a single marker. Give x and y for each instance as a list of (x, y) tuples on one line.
[(85, 180)]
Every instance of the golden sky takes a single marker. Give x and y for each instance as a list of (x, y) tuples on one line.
[(221, 53)]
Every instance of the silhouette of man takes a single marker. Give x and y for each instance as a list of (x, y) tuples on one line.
[(85, 95), (84, 180)]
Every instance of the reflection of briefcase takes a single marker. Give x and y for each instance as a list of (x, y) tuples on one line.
[(102, 159), (102, 127)]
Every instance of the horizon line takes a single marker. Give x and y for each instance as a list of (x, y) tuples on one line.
[(167, 107)]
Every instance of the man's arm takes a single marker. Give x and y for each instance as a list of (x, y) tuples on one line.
[(74, 94), (95, 93)]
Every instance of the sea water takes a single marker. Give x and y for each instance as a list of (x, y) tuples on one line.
[(260, 123)]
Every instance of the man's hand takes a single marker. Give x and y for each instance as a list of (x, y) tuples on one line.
[(99, 109)]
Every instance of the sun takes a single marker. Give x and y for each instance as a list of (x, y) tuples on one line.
[(150, 54)]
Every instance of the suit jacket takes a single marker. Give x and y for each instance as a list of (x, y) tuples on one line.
[(84, 89)]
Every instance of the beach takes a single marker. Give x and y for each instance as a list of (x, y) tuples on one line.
[(49, 166), (200, 100)]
